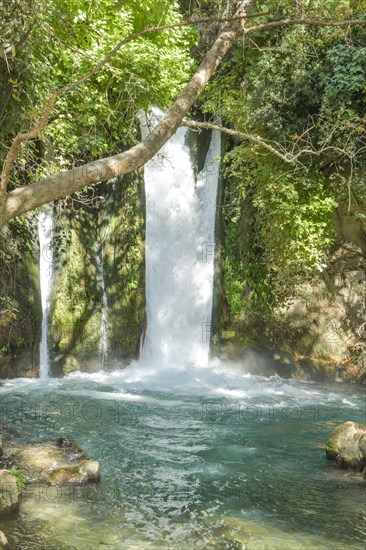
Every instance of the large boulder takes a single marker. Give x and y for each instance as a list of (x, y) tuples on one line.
[(347, 446), (3, 541), (9, 494), (56, 462)]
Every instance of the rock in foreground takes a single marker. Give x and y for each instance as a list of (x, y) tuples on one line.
[(347, 446), (9, 494), (57, 463)]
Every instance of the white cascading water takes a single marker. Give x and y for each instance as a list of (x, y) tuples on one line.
[(180, 235), (103, 339), (45, 236)]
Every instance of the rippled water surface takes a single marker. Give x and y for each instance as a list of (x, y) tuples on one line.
[(190, 459)]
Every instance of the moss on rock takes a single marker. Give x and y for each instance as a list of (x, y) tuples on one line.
[(108, 235), (20, 304)]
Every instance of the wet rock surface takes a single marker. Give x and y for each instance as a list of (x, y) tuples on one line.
[(9, 494), (347, 446), (56, 462)]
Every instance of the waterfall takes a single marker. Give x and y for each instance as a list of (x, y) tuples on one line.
[(180, 234), (103, 339), (45, 236)]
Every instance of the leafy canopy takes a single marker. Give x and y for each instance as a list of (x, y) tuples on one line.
[(54, 43), (300, 87)]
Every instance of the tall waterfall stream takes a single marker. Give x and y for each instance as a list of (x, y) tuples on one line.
[(103, 340), (45, 235), (180, 234)]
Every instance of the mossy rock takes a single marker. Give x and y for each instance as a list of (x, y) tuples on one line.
[(71, 365), (347, 446), (57, 462)]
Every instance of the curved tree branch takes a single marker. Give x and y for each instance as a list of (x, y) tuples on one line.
[(36, 132), (27, 198), (303, 21), (286, 157)]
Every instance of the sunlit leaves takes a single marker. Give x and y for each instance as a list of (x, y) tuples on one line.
[(300, 86), (68, 38)]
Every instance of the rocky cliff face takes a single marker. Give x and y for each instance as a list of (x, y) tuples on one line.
[(103, 241), (323, 324), (99, 230), (319, 331), (351, 228), (20, 304)]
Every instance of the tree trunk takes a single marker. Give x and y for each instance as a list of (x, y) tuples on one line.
[(65, 183)]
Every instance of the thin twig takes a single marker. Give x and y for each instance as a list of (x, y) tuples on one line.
[(286, 157)]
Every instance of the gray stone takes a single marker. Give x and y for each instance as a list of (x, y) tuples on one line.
[(9, 494), (347, 446)]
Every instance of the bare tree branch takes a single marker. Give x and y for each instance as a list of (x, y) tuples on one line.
[(303, 21), (18, 140), (36, 132), (286, 157), (64, 183)]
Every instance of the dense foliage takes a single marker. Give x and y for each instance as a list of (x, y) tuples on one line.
[(48, 45), (303, 89)]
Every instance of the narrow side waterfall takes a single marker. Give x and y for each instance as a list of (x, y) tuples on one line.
[(180, 234), (103, 340), (45, 236)]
